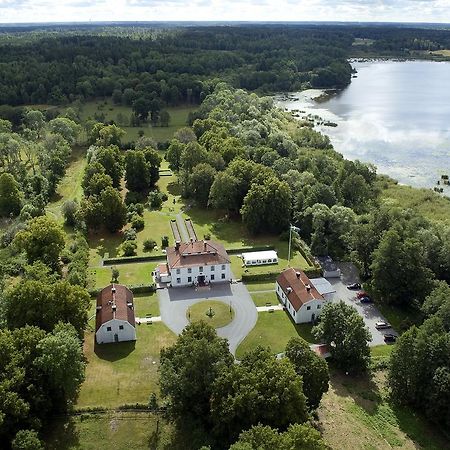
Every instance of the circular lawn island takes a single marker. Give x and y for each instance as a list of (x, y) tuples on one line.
[(213, 312)]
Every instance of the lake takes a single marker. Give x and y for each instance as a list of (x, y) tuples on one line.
[(393, 114)]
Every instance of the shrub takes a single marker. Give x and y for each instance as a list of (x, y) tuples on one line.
[(207, 236), (129, 235), (149, 245), (137, 222), (70, 210), (133, 197), (128, 248), (156, 199), (164, 242)]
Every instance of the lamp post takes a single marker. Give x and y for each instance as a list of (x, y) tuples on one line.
[(291, 227)]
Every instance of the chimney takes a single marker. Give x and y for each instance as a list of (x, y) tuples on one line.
[(204, 246), (177, 245), (113, 290), (297, 274), (308, 288), (289, 289)]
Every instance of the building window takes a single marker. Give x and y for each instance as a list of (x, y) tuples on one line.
[(178, 280), (120, 327), (212, 277), (200, 268), (213, 268), (108, 328), (293, 312), (189, 270), (178, 271), (189, 279), (318, 306), (223, 276), (308, 308), (223, 266)]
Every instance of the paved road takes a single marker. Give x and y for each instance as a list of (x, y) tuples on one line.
[(174, 302), (369, 312)]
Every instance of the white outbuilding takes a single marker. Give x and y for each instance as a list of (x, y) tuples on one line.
[(115, 321), (260, 258)]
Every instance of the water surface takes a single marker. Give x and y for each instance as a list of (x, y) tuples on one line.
[(394, 114)]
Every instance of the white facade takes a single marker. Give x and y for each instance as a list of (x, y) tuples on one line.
[(307, 313), (260, 258), (115, 330), (207, 274)]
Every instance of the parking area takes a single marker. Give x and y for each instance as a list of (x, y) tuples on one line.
[(369, 312)]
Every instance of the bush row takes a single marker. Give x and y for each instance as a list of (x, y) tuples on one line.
[(259, 248), (268, 276), (132, 259), (134, 288)]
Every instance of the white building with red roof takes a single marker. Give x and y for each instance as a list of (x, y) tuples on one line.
[(195, 263), (114, 317), (297, 292)]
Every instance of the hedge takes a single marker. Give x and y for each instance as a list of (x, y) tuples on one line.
[(132, 259), (134, 288), (260, 248), (267, 276)]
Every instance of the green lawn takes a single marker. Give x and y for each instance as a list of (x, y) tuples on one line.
[(274, 330), (215, 313), (381, 350), (257, 286), (129, 274), (261, 299), (400, 318), (145, 304), (126, 372), (178, 119), (70, 186)]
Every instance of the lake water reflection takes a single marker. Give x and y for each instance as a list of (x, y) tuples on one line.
[(394, 114)]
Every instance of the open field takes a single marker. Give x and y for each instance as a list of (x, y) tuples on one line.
[(221, 314), (126, 372), (432, 206), (356, 413), (178, 118), (274, 330)]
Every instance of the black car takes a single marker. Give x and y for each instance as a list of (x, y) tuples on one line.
[(366, 300), (354, 286), (390, 337)]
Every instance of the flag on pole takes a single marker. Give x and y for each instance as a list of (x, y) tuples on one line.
[(294, 228)]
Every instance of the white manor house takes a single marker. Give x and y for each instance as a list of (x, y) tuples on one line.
[(195, 263)]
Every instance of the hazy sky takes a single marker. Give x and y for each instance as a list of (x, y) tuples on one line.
[(251, 10)]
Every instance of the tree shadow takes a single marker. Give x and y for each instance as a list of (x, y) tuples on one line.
[(361, 388), (62, 434), (174, 188), (115, 351)]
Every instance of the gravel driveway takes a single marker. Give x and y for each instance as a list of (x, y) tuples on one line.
[(369, 312), (174, 302)]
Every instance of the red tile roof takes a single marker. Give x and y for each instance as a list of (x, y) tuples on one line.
[(198, 253), (298, 283), (114, 305), (163, 269)]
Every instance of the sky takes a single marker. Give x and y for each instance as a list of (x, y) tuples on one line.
[(20, 11)]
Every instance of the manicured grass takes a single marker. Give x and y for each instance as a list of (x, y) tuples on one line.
[(424, 201), (215, 313), (129, 274), (357, 413), (253, 286), (126, 372), (69, 187), (145, 304), (261, 299), (274, 330), (178, 119)]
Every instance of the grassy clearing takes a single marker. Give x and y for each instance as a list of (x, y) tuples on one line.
[(357, 414), (400, 318), (145, 304), (256, 286), (70, 186), (274, 330), (135, 273), (178, 115), (126, 372), (222, 314), (381, 350), (426, 202), (261, 299)]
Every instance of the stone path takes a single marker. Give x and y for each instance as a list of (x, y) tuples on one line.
[(269, 308), (182, 228), (174, 302)]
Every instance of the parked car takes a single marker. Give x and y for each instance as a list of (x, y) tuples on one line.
[(362, 294), (354, 286), (366, 299), (388, 337), (382, 325)]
